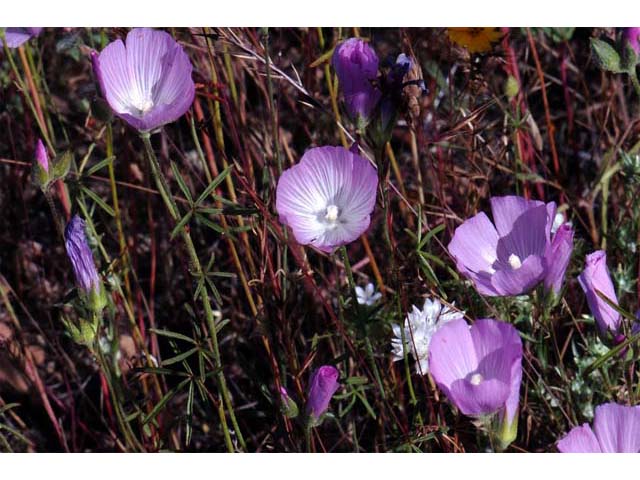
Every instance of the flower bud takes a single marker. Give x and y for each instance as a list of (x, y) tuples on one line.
[(595, 278), (41, 156), (288, 406), (41, 173), (82, 262), (356, 65), (323, 384), (83, 332)]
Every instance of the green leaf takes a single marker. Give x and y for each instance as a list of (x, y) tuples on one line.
[(163, 371), (101, 203), (213, 226), (188, 429), (216, 181), (607, 57), (164, 400), (181, 183), (181, 224), (100, 165), (434, 231), (180, 357), (170, 334), (62, 164)]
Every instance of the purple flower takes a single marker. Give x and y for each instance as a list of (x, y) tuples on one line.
[(595, 277), (148, 82), (328, 197), (81, 257), (323, 384), (356, 65), (632, 37), (41, 156), (616, 429), (479, 368), (16, 36), (516, 254)]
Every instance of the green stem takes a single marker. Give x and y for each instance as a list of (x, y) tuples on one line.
[(125, 427), (307, 437), (204, 295), (116, 209), (356, 306)]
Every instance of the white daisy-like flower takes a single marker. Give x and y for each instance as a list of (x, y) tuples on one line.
[(419, 327), (367, 295)]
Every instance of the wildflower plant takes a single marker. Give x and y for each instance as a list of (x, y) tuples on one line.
[(232, 279)]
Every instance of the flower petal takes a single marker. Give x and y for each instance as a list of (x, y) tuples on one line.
[(483, 399), (617, 428), (474, 244), (528, 236), (452, 354), (580, 440), (507, 210), (518, 281)]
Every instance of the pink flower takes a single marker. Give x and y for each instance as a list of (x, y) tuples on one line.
[(328, 197)]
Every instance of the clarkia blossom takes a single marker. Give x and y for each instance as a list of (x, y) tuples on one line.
[(16, 36), (322, 386), (356, 65), (419, 328), (41, 156), (595, 277), (146, 82), (368, 295), (479, 368), (328, 197), (516, 254), (81, 257), (616, 429)]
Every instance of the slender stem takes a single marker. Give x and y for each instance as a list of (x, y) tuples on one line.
[(274, 113), (116, 209), (204, 295), (130, 437), (356, 306), (307, 437)]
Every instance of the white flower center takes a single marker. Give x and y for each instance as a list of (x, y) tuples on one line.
[(476, 379), (514, 261), (141, 106), (332, 214)]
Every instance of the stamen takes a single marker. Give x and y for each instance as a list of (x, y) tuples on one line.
[(476, 379), (142, 106), (514, 261), (332, 214)]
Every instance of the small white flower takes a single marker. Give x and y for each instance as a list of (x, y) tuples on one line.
[(367, 295), (419, 327)]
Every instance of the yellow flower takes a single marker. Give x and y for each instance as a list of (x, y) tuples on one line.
[(475, 39)]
